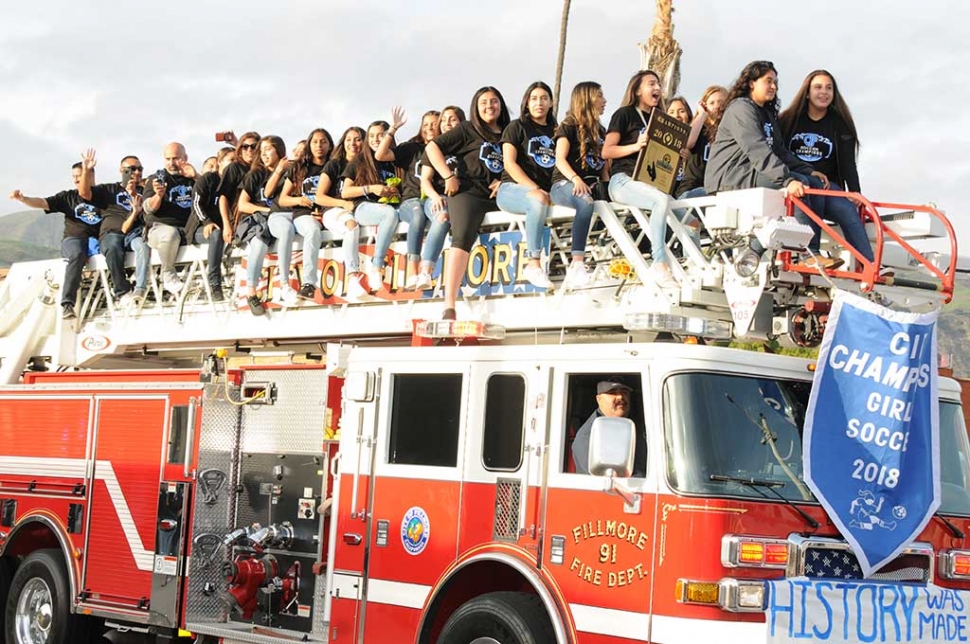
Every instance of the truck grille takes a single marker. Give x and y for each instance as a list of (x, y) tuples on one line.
[(821, 558)]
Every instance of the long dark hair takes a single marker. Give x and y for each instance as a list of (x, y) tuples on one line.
[(476, 119), (418, 138), (524, 112), (277, 144), (799, 105), (302, 166), (339, 151), (632, 87), (460, 113), (582, 114), (752, 72)]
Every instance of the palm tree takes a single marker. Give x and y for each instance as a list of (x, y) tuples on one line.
[(562, 54)]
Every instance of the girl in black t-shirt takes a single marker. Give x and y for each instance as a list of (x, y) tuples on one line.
[(377, 132), (299, 192), (529, 155), (435, 204), (247, 149), (260, 188), (472, 185), (579, 165), (710, 107), (338, 215), (407, 157), (625, 137), (818, 129)]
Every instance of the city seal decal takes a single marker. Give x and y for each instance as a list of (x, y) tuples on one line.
[(415, 530)]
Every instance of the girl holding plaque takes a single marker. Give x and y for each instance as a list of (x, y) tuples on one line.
[(625, 137), (819, 130)]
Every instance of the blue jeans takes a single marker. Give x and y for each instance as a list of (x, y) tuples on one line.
[(113, 249), (515, 199), (312, 233), (562, 195), (411, 211), (75, 251), (384, 216), (214, 256), (143, 257), (436, 235), (693, 193), (625, 190), (846, 215)]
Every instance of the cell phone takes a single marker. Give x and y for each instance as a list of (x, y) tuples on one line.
[(125, 178), (222, 136), (159, 177)]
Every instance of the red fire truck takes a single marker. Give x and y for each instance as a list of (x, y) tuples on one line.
[(361, 490)]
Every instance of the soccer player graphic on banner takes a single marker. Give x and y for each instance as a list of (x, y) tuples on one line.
[(872, 447)]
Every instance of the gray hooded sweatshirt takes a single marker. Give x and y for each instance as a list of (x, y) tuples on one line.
[(748, 151)]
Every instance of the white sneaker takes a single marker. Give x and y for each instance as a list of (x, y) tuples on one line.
[(128, 300), (355, 290), (537, 277), (422, 281), (411, 282), (375, 277), (288, 296), (576, 275), (172, 284), (663, 277)]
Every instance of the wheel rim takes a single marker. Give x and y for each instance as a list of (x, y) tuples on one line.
[(485, 640), (35, 613)]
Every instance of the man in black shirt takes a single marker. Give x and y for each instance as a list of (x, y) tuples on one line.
[(168, 203), (81, 223), (121, 205)]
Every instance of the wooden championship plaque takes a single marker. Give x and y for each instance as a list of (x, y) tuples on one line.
[(658, 162)]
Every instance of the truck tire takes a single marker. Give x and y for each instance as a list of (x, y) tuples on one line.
[(8, 566), (503, 617), (38, 608)]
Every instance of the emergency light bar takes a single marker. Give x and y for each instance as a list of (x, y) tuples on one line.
[(955, 564), (751, 552), (459, 330), (679, 324)]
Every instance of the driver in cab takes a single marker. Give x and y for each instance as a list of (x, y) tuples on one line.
[(613, 398)]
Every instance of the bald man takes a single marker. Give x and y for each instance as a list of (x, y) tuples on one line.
[(167, 205)]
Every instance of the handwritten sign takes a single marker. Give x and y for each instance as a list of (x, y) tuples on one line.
[(610, 569), (853, 611), (872, 452)]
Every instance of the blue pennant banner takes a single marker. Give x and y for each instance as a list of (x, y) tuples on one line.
[(872, 447)]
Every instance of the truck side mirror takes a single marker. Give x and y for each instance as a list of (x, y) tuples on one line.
[(612, 445)]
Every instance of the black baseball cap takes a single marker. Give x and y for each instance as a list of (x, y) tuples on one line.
[(606, 386)]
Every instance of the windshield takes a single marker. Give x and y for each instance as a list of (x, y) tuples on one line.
[(718, 425)]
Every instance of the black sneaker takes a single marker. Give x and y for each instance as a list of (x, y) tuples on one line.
[(307, 291), (217, 294), (67, 312), (449, 314), (255, 305)]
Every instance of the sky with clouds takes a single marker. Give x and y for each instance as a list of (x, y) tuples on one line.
[(110, 75)]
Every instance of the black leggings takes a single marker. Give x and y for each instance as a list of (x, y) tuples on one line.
[(466, 212)]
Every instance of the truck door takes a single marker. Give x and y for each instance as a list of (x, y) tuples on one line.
[(129, 456), (415, 501), (597, 546)]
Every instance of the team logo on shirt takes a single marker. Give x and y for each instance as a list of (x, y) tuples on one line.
[(262, 197), (310, 186), (595, 161), (769, 133), (542, 151), (707, 152), (181, 196), (491, 155), (384, 173), (123, 199), (87, 213), (810, 147)]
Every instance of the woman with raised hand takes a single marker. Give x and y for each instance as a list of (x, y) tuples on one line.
[(749, 152), (435, 204), (819, 130), (260, 188), (472, 185), (297, 196), (363, 185), (338, 215), (625, 137), (529, 155), (710, 108), (407, 156), (579, 165)]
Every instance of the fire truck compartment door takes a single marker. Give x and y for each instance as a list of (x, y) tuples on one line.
[(168, 567)]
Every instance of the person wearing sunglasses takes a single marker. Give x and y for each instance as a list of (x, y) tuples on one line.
[(121, 207), (247, 149), (207, 225)]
